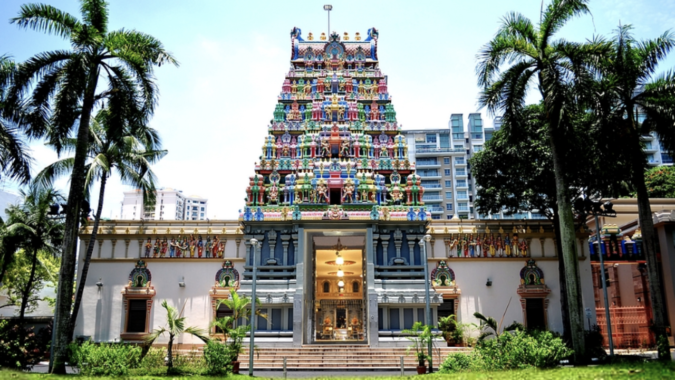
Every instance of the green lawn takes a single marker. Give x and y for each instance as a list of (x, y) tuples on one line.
[(651, 370)]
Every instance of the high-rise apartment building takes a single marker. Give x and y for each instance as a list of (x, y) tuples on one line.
[(171, 204), (441, 157)]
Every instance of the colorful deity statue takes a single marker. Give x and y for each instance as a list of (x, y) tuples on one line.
[(374, 111), (294, 87), (507, 246), (172, 247), (523, 248), (390, 113), (294, 114), (322, 192), (215, 246), (348, 192), (200, 247), (148, 248), (382, 88), (164, 249), (514, 244), (156, 247), (499, 246), (325, 148), (316, 111), (362, 113), (207, 246), (286, 87), (344, 148), (320, 86), (193, 245), (414, 190)]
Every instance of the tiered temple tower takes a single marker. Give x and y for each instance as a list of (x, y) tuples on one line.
[(334, 149)]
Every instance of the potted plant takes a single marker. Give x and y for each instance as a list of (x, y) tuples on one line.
[(421, 336), (233, 334), (457, 335), (452, 330)]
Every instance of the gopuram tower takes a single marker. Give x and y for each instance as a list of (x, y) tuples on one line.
[(334, 204)]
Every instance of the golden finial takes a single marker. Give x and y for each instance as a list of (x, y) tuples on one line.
[(501, 230), (323, 36), (514, 229), (528, 230), (310, 37), (357, 36), (541, 229), (346, 37), (487, 230)]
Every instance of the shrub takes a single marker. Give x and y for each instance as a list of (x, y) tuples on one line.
[(514, 350), (105, 359), (218, 358), (457, 362), (20, 347), (154, 358), (594, 343)]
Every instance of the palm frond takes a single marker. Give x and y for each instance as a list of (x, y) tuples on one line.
[(48, 19)]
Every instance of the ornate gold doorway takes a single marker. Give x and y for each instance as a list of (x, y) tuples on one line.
[(339, 306)]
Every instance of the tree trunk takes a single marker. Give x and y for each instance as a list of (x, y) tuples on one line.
[(26, 291), (650, 248), (568, 244), (567, 329), (170, 354), (68, 254), (87, 260)]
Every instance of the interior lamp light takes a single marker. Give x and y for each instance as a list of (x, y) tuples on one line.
[(341, 284), (340, 273), (339, 260)]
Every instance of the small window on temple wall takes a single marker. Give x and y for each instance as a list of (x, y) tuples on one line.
[(137, 317), (326, 287)]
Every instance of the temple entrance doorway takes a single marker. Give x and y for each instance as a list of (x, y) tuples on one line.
[(339, 309)]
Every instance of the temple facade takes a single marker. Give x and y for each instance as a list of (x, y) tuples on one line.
[(336, 227)]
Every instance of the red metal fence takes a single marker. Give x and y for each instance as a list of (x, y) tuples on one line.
[(630, 327)]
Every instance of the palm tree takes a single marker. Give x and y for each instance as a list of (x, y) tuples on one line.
[(175, 326), (634, 102), (562, 73), (128, 154), (14, 158), (30, 224), (65, 89)]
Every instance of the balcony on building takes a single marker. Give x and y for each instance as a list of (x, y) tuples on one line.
[(432, 152), (648, 137), (435, 209), (431, 186), (429, 174), (427, 163), (432, 198), (650, 147), (460, 162)]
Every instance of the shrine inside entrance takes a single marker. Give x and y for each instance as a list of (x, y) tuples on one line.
[(339, 308)]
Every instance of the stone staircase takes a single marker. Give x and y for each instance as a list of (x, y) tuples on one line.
[(338, 357)]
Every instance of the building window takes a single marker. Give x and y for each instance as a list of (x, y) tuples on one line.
[(447, 171), (431, 138), (460, 171), (460, 160), (448, 195), (427, 161), (448, 183), (461, 183), (137, 317), (355, 287), (448, 206), (477, 148), (461, 194), (488, 136), (458, 146), (326, 287), (435, 217), (449, 216), (462, 206), (650, 158), (446, 160), (666, 158), (445, 141)]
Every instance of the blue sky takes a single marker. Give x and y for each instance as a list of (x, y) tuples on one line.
[(214, 109)]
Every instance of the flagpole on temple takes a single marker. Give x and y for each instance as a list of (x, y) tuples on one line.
[(328, 8)]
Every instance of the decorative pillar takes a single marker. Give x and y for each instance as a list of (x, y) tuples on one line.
[(411, 244), (375, 241), (398, 239), (238, 242), (140, 248), (114, 242), (541, 243), (295, 246), (100, 244), (285, 241), (272, 238), (432, 242), (126, 247), (385, 244)]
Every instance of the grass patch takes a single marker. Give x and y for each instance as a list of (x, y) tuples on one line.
[(640, 370)]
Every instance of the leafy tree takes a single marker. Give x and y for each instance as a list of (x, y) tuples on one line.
[(175, 326), (562, 73), (130, 154), (103, 66), (660, 182), (19, 286), (30, 227), (14, 158), (633, 101), (516, 174)]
